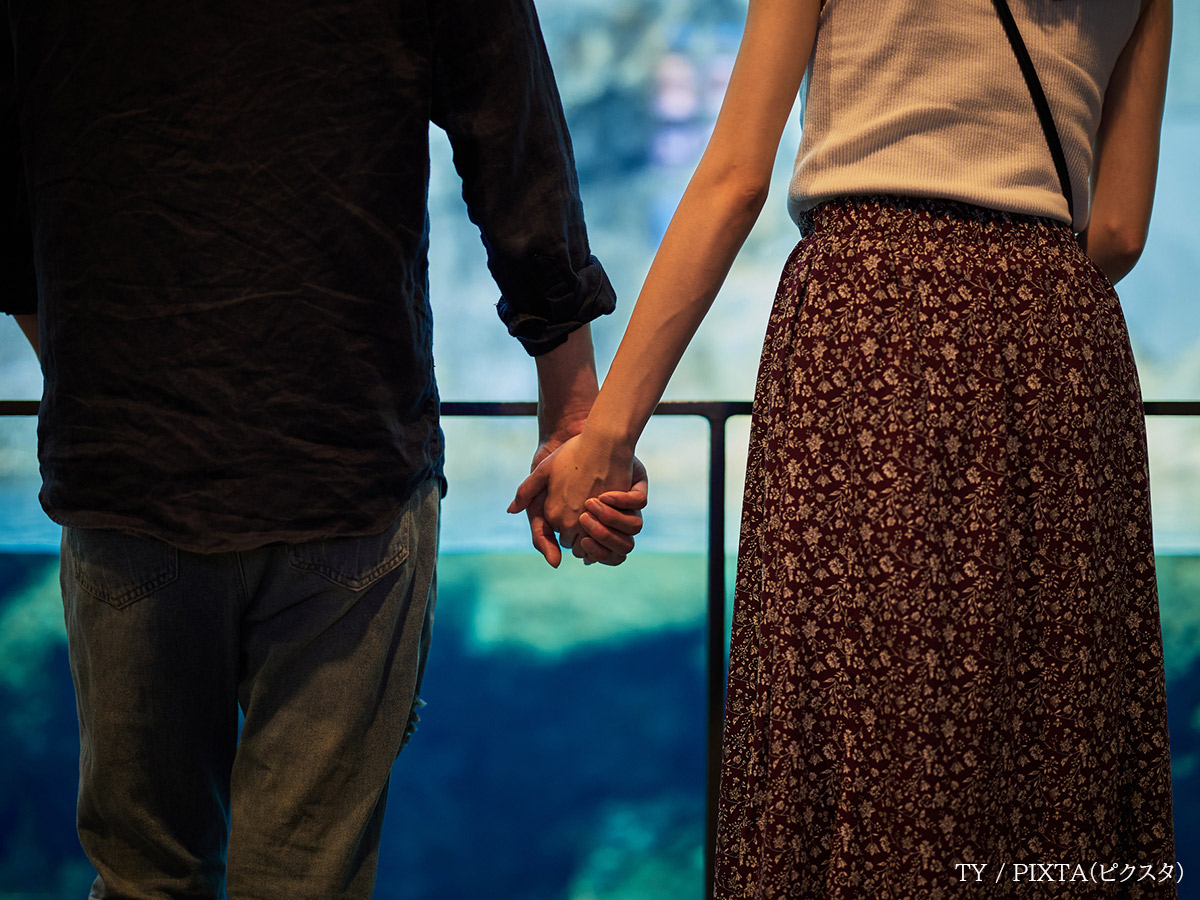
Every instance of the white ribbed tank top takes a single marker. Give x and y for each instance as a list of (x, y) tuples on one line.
[(926, 99)]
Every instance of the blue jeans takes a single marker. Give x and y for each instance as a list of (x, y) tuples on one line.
[(323, 646)]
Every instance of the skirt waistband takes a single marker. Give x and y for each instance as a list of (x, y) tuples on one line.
[(885, 212)]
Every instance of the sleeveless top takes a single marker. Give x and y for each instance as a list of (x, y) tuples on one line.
[(926, 99)]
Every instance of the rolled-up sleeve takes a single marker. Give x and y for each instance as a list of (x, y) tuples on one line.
[(495, 96), (18, 284)]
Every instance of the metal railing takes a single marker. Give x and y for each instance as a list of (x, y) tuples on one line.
[(717, 413)]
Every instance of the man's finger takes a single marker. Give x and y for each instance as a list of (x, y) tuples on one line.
[(568, 536), (593, 552), (614, 518), (532, 486), (542, 533), (639, 490), (544, 543), (634, 498), (604, 536)]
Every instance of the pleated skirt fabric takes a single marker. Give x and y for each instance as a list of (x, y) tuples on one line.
[(946, 646)]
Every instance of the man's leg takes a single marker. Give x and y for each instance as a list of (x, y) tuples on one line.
[(334, 646), (153, 648)]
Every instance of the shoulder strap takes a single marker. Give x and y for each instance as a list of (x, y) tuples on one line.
[(1039, 101)]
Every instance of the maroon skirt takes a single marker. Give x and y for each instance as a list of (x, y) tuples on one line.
[(946, 647)]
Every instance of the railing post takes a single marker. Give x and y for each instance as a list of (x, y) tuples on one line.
[(716, 636)]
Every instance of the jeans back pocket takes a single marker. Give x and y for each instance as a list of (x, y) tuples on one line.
[(355, 562), (117, 568)]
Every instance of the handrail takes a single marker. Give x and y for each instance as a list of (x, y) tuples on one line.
[(717, 413), (703, 408)]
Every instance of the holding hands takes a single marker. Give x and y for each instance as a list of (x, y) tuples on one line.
[(589, 491), (571, 467)]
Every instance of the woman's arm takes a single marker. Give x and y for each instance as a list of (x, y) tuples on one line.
[(1126, 164), (717, 211)]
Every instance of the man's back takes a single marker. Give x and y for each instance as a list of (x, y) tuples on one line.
[(230, 239)]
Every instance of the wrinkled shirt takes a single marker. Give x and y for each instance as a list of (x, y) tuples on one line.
[(218, 211)]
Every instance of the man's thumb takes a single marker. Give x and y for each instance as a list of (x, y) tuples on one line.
[(528, 489)]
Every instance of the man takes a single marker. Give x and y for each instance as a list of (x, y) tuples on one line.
[(224, 205)]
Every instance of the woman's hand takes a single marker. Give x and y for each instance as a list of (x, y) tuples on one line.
[(563, 482)]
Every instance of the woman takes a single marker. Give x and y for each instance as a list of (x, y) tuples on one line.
[(946, 648)]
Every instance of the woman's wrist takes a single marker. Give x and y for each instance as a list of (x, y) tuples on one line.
[(614, 442)]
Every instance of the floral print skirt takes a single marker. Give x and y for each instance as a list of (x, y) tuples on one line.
[(946, 658)]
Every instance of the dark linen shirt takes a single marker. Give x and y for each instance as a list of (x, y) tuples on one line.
[(218, 211)]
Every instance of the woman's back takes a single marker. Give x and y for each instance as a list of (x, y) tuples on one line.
[(927, 100)]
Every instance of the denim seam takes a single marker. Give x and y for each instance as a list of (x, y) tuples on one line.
[(131, 595), (167, 573), (356, 583), (245, 588)]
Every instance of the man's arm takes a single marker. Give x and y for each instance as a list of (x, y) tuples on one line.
[(29, 325), (16, 230), (567, 386), (494, 94)]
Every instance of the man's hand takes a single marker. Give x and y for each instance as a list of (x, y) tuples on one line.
[(611, 520), (544, 540)]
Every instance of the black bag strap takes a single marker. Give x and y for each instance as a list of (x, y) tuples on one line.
[(1039, 101)]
